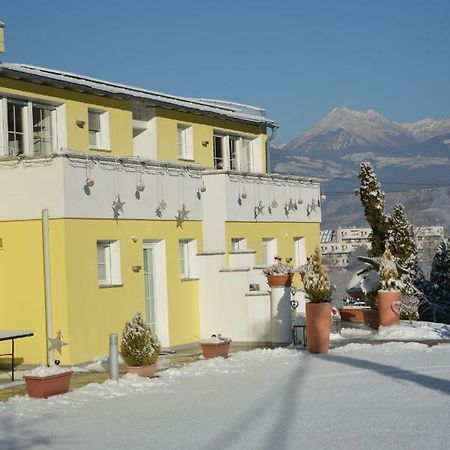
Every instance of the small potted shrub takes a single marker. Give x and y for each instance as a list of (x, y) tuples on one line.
[(279, 274), (389, 292), (139, 347), (216, 345), (317, 287)]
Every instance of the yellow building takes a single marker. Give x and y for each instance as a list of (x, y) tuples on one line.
[(116, 199)]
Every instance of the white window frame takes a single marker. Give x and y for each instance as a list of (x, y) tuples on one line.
[(269, 247), (185, 142), (299, 251), (188, 258), (28, 133), (238, 244), (108, 254), (242, 147), (101, 129)]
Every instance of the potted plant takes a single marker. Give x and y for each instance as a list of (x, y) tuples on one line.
[(43, 381), (389, 292), (139, 347), (317, 287), (216, 345), (279, 274)]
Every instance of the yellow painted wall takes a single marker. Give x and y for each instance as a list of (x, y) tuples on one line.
[(203, 130), (284, 233), (95, 312), (22, 299), (77, 104), (84, 312)]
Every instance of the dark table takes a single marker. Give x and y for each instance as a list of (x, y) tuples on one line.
[(11, 335)]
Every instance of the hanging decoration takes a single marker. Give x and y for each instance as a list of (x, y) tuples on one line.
[(291, 206), (89, 179), (162, 205), (183, 212), (117, 205), (313, 205), (259, 209), (308, 210)]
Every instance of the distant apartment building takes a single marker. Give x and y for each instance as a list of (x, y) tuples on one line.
[(337, 245)]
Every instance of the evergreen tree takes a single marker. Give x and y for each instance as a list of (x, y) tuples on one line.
[(401, 237), (440, 282), (403, 247), (373, 201)]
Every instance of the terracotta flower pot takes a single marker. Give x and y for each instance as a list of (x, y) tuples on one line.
[(371, 318), (387, 312), (215, 349), (360, 315), (279, 280), (318, 323), (43, 387), (142, 371)]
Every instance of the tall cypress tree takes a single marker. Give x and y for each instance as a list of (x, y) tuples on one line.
[(401, 237), (373, 201)]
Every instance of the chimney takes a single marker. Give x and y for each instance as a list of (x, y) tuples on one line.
[(2, 37)]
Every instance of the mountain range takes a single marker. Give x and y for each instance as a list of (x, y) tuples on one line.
[(412, 162)]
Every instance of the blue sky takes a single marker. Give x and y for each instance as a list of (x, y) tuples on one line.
[(298, 59)]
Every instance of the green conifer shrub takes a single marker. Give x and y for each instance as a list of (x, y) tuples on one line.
[(139, 347)]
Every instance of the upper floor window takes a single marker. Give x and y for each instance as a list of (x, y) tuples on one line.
[(98, 129), (30, 128), (185, 144), (269, 250), (232, 152), (238, 244)]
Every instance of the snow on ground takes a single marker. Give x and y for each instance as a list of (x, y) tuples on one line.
[(358, 396), (406, 331)]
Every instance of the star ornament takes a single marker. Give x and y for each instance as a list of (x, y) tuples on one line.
[(56, 343), (162, 205), (117, 206), (184, 212), (259, 209), (291, 205)]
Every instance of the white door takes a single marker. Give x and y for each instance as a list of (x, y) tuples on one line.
[(149, 288), (155, 289)]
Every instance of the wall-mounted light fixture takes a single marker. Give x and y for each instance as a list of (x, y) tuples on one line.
[(134, 238), (205, 143), (80, 123), (136, 268)]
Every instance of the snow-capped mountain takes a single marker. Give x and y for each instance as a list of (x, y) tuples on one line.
[(404, 155), (343, 128)]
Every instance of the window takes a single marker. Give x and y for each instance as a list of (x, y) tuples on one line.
[(188, 252), (269, 250), (31, 128), (300, 251), (238, 244), (16, 128), (108, 263), (98, 129), (185, 145), (218, 158), (42, 130), (238, 155)]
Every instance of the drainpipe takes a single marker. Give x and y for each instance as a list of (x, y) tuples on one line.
[(47, 284), (269, 140)]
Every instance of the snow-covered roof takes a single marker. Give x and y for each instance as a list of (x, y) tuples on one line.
[(229, 110)]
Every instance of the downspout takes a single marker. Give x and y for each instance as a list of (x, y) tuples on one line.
[(47, 283), (274, 129)]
